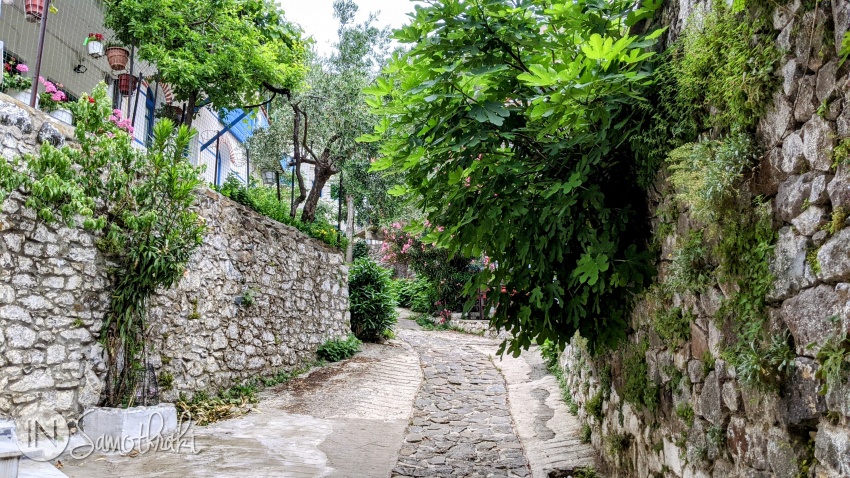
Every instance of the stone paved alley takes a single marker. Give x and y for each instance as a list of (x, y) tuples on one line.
[(427, 404)]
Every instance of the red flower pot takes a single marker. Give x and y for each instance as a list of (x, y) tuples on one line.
[(34, 9), (126, 84), (118, 57)]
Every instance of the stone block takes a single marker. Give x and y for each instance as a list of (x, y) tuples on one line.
[(819, 194), (710, 401), (781, 455), (806, 104), (130, 427), (792, 160), (825, 88), (809, 317), (791, 196), (789, 265), (834, 257), (832, 449), (839, 188), (818, 141), (800, 400), (810, 220), (777, 120)]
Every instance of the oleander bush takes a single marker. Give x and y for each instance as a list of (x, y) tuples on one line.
[(371, 300)]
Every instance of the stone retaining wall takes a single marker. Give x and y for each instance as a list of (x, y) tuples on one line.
[(54, 294), (737, 431)]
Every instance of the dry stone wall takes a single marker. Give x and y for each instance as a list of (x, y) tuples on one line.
[(707, 423), (204, 334)]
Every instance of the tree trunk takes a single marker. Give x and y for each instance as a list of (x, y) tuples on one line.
[(189, 114), (349, 229), (296, 156), (323, 173)]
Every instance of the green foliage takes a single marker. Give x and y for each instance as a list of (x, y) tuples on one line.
[(15, 81), (447, 277), (763, 366), (586, 433), (834, 361), (708, 362), (584, 472), (812, 259), (509, 124), (686, 412), (673, 326), (264, 201), (336, 350), (248, 297), (618, 443), (326, 117), (705, 173), (638, 389), (406, 290), (691, 269), (726, 66), (360, 250), (744, 252), (166, 381), (550, 352), (371, 300), (423, 295), (845, 48), (218, 52), (594, 406), (841, 153), (837, 220)]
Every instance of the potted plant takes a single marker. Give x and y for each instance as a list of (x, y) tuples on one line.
[(34, 10), (118, 56), (94, 43), (126, 84), (54, 101), (15, 84)]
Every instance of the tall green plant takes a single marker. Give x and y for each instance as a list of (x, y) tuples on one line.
[(509, 123), (371, 300)]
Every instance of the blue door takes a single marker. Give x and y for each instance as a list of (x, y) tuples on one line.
[(149, 116)]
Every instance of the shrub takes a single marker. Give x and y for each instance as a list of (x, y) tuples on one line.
[(550, 352), (691, 269), (360, 250), (686, 412), (423, 296), (264, 201), (371, 300), (705, 173), (404, 289), (594, 406), (673, 326), (336, 350)]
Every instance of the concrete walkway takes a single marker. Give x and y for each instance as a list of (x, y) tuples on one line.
[(378, 415)]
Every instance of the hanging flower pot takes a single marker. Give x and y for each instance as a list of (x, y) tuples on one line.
[(34, 10), (126, 83), (94, 43), (118, 57)]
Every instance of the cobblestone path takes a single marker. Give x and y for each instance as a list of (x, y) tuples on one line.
[(461, 424)]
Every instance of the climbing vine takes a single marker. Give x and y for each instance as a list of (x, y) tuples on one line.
[(141, 202)]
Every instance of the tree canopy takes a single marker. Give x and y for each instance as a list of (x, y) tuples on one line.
[(509, 122), (319, 124), (216, 52)]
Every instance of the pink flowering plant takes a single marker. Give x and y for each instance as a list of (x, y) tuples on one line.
[(447, 275), (53, 97), (14, 79)]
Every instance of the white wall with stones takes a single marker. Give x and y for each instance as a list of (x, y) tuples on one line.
[(54, 294)]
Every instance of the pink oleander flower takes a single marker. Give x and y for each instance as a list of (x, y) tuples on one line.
[(441, 229), (22, 68), (467, 182)]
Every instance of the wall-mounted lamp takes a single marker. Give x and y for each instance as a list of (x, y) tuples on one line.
[(80, 68)]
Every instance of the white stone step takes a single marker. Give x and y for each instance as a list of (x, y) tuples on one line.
[(39, 469), (10, 457)]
